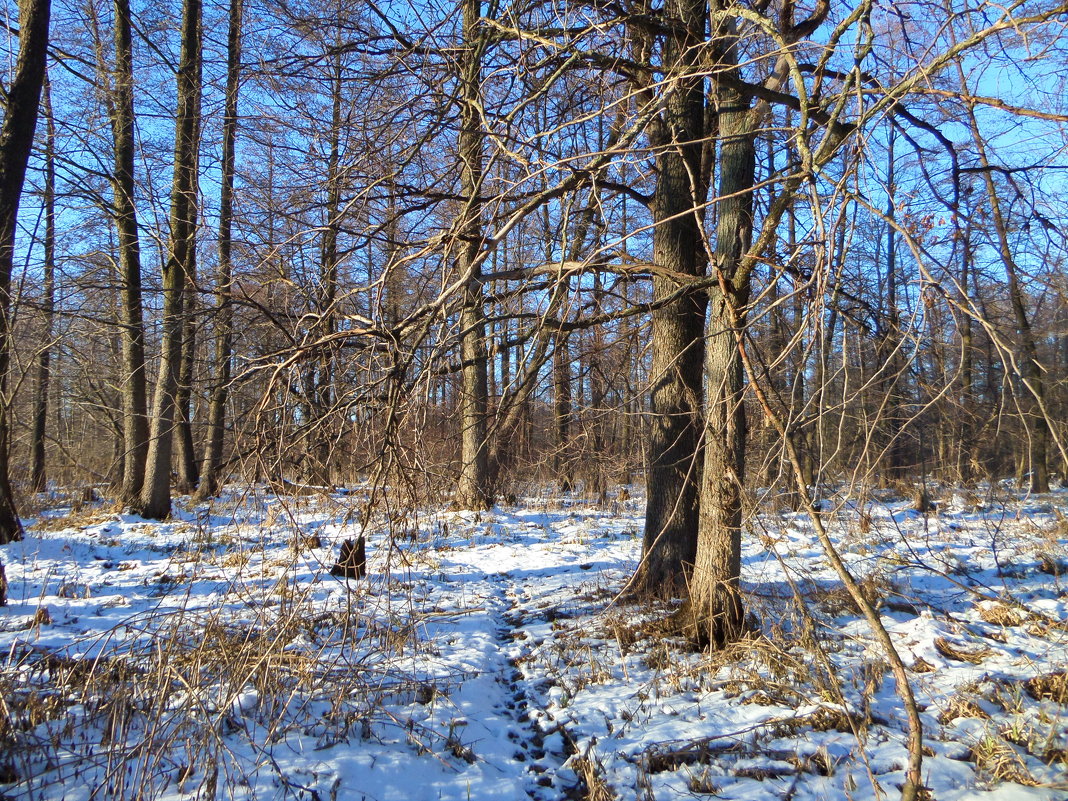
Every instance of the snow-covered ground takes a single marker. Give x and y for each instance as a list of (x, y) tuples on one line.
[(487, 656)]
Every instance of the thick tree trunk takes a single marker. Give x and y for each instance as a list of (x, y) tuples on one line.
[(224, 316), (155, 500), (673, 457), (473, 490), (134, 379), (716, 604), (38, 476), (16, 143)]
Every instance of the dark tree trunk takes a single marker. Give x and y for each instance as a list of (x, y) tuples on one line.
[(224, 315), (673, 458), (156, 494), (38, 477), (16, 143), (134, 380)]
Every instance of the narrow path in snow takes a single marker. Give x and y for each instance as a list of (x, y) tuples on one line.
[(533, 734)]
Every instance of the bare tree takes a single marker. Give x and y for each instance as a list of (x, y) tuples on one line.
[(38, 475), (224, 312), (678, 134), (155, 499), (16, 143), (134, 381), (473, 490)]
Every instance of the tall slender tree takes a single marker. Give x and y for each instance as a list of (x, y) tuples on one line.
[(155, 499), (38, 475), (16, 142), (473, 490), (224, 310), (134, 378)]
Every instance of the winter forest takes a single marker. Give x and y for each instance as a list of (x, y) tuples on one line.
[(587, 399)]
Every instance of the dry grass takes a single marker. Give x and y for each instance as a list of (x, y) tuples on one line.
[(1052, 565), (999, 614), (592, 785), (998, 761), (1050, 687), (153, 705), (825, 718), (839, 601), (961, 707), (960, 654), (78, 518)]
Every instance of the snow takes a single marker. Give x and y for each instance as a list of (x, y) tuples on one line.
[(489, 656)]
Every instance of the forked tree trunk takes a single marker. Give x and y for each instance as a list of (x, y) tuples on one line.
[(224, 315), (38, 476), (473, 490), (156, 494), (673, 458), (16, 143), (716, 604), (134, 380)]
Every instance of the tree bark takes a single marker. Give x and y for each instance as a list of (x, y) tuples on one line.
[(155, 500), (38, 476), (673, 463), (134, 379), (224, 315), (16, 143), (323, 377), (187, 468), (716, 603), (562, 411), (473, 490)]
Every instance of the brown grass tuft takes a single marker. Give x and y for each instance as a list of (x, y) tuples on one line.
[(961, 707), (1050, 687), (1051, 565), (77, 519), (1000, 762), (999, 614), (958, 654)]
